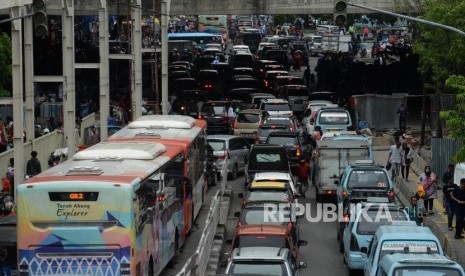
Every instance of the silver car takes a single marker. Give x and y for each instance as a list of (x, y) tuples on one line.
[(232, 147)]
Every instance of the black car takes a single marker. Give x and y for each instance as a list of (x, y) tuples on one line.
[(266, 158), (293, 144), (188, 102), (215, 113)]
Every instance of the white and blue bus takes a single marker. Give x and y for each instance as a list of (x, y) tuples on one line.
[(201, 39)]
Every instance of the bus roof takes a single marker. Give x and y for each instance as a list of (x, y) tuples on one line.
[(155, 127), (93, 165), (186, 35)]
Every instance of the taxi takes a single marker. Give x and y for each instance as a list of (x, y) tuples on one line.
[(389, 239), (278, 236), (418, 264), (359, 182), (268, 191), (359, 231)]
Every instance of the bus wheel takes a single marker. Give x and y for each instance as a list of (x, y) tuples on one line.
[(151, 272)]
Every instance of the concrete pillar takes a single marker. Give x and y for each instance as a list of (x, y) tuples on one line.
[(69, 94), (136, 96), (165, 9), (104, 70), (29, 76), (17, 71)]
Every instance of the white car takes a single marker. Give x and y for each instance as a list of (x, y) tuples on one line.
[(308, 119), (237, 48), (276, 107)]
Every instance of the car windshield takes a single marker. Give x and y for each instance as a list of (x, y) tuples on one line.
[(258, 267), (334, 118), (259, 216), (257, 100), (277, 107), (297, 92), (269, 195), (413, 246), (368, 179), (371, 220), (248, 118), (264, 132), (217, 145), (430, 271), (282, 140), (252, 241)]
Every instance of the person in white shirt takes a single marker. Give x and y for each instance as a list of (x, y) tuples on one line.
[(396, 157)]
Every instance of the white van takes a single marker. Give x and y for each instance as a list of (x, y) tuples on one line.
[(327, 29)]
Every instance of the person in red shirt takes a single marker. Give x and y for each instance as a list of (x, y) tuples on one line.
[(303, 172)]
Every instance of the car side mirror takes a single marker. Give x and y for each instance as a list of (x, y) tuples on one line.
[(240, 195), (302, 243), (302, 265), (237, 214), (364, 250)]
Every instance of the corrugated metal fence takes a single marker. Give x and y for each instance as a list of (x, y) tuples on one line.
[(380, 111), (443, 149)]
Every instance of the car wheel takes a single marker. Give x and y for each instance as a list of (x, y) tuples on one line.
[(341, 246)]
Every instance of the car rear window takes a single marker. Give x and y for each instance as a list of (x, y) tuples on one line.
[(257, 267), (215, 109), (334, 118), (282, 140), (369, 223), (217, 145), (368, 179), (253, 241), (269, 195), (277, 107), (264, 132), (248, 118), (297, 92), (268, 157)]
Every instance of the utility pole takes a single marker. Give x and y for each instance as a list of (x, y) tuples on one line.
[(165, 9)]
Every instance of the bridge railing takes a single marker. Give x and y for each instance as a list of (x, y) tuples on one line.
[(198, 262)]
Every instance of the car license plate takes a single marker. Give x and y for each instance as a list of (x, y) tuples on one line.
[(248, 135)]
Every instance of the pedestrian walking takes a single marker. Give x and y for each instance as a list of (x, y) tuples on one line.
[(402, 112), (447, 201), (415, 211), (407, 161), (307, 76), (448, 174), (396, 157), (33, 165), (429, 182), (458, 195)]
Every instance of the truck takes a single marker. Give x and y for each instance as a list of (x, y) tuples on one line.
[(329, 160), (335, 43)]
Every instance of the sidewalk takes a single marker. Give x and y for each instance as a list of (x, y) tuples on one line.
[(455, 249)]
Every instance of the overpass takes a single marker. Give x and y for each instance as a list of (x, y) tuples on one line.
[(238, 7)]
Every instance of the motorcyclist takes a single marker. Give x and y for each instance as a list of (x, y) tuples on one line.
[(303, 172)]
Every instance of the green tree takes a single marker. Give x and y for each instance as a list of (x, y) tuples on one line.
[(5, 65), (442, 52), (455, 119)]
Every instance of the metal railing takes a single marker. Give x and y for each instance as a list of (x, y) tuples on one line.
[(197, 263)]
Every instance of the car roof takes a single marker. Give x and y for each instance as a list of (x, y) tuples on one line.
[(221, 137), (262, 95), (268, 185), (260, 253), (390, 232), (263, 229), (283, 133), (251, 111), (272, 175), (432, 260)]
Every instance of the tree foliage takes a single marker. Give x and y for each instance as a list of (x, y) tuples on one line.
[(5, 65), (455, 119), (442, 51)]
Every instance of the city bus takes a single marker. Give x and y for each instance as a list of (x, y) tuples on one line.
[(113, 209), (201, 39), (179, 130), (214, 24)]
